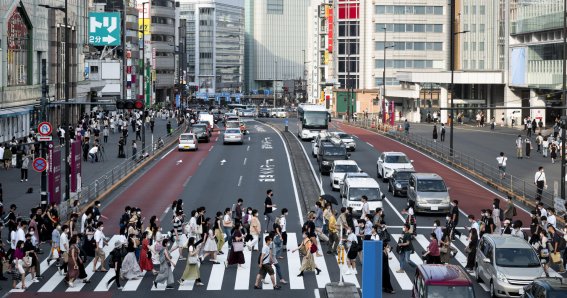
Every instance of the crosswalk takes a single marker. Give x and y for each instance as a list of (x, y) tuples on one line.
[(217, 277)]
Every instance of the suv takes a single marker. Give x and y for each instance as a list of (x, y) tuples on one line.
[(318, 140), (429, 193), (329, 153), (398, 183), (437, 280), (201, 131), (346, 139), (389, 161), (506, 264), (545, 287)]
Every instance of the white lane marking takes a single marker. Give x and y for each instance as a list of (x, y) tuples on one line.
[(217, 138), (187, 285), (370, 145), (248, 148), (298, 205), (101, 287), (402, 278), (242, 281), (248, 139), (167, 153), (293, 263), (217, 274), (323, 278), (210, 149), (316, 292), (201, 161), (166, 210), (394, 208), (187, 181), (133, 284), (89, 268), (458, 172), (239, 181), (244, 163)]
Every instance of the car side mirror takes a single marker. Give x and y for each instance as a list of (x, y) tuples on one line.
[(448, 188), (486, 260)]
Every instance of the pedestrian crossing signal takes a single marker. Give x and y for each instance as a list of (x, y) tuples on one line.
[(129, 104)]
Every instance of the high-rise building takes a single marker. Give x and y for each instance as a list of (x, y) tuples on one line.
[(276, 38), (215, 45)]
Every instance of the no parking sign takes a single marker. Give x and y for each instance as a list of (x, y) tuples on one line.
[(39, 164)]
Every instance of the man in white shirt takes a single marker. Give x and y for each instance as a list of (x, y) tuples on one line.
[(64, 248), (93, 154), (540, 182), (283, 225), (365, 207), (551, 220), (519, 145), (84, 218), (99, 252), (502, 164), (20, 234)]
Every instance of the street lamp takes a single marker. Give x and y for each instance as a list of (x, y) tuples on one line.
[(384, 74), (564, 90), (143, 31), (65, 108), (452, 63)]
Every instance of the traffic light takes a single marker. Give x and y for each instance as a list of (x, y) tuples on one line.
[(137, 104)]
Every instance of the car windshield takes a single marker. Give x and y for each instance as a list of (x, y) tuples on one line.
[(232, 124), (315, 119), (449, 291), (198, 129), (373, 194), (403, 175), (431, 185), (396, 159), (345, 168), (186, 137), (517, 257), (232, 131), (334, 151), (344, 136)]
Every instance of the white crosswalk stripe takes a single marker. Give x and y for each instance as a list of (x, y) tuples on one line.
[(217, 277)]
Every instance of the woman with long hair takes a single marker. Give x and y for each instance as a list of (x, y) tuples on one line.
[(192, 271), (166, 262), (146, 263), (236, 252), (471, 249)]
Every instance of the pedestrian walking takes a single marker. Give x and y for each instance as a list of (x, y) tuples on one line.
[(24, 168), (227, 226), (386, 280), (105, 132), (510, 211), (406, 127), (519, 147), (432, 254), (435, 133), (101, 241), (236, 252), (73, 264), (219, 235), (269, 207), (255, 230), (165, 263), (121, 144), (264, 263), (540, 182), (544, 147), (352, 251), (405, 249), (442, 132), (502, 160), (115, 262), (192, 270), (553, 148), (471, 250), (308, 249), (134, 150), (168, 127), (539, 140), (130, 269), (528, 144)]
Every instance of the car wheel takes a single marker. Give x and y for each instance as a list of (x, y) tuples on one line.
[(492, 290), (384, 179), (378, 172), (476, 272), (390, 187)]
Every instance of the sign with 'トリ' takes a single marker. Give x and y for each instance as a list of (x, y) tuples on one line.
[(104, 28)]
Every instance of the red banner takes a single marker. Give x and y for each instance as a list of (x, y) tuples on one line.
[(330, 31), (54, 173)]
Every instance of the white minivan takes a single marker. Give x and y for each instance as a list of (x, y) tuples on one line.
[(353, 188)]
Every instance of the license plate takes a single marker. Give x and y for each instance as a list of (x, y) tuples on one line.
[(186, 147), (435, 208)]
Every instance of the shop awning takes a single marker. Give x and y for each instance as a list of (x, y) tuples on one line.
[(13, 112)]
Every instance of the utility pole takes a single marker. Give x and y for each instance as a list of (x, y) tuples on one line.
[(144, 78), (66, 110), (275, 81), (564, 87), (44, 95)]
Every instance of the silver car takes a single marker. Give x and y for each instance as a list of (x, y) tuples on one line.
[(506, 264), (429, 193), (233, 135)]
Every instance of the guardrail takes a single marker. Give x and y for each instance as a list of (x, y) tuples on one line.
[(92, 191), (518, 188)]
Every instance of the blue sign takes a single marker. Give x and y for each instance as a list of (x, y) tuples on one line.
[(372, 270), (104, 28), (177, 100)]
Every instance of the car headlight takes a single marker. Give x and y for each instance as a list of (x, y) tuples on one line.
[(447, 200), (421, 201), (326, 163), (398, 185), (501, 277)]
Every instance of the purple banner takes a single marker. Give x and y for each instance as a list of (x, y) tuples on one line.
[(392, 113), (54, 173), (76, 153)]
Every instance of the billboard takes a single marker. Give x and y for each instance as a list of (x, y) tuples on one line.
[(104, 29)]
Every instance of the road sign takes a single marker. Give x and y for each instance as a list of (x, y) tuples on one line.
[(44, 129), (104, 28), (39, 164), (44, 138)]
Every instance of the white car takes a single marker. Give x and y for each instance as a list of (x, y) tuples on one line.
[(278, 113), (187, 141), (339, 170), (346, 139), (321, 137), (390, 161), (232, 135)]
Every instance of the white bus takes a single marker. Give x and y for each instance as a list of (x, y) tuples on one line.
[(312, 120)]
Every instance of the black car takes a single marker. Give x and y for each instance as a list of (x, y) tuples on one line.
[(201, 131), (328, 153), (264, 113), (550, 287), (398, 183)]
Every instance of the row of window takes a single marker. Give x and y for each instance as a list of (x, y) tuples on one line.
[(436, 28), (472, 9), (473, 64), (408, 9), (481, 27), (473, 46), (274, 7), (390, 63), (411, 46), (389, 81)]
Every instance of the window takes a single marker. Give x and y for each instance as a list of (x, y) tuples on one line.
[(205, 55), (94, 69), (466, 27), (473, 46), (275, 7), (19, 46), (399, 27), (438, 10), (419, 9), (380, 9), (399, 9), (466, 45), (473, 27), (481, 46), (466, 9), (482, 9), (419, 28), (438, 28), (466, 64), (438, 46), (399, 46), (419, 64), (389, 81), (419, 46), (481, 28), (481, 64)]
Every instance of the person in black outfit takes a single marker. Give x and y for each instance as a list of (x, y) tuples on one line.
[(11, 218), (116, 257), (386, 282), (454, 219), (268, 211), (472, 250), (121, 144)]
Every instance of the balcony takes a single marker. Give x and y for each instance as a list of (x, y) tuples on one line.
[(163, 11)]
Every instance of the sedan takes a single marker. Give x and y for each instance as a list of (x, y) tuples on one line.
[(187, 141), (390, 161), (398, 183), (233, 135), (249, 113)]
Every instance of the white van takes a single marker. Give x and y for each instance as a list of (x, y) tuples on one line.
[(207, 117), (354, 188)]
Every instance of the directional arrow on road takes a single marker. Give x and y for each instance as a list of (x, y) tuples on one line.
[(178, 162), (222, 162), (268, 162)]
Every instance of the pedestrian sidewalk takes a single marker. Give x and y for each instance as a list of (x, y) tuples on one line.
[(15, 192)]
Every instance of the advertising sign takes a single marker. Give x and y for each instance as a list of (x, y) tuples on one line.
[(104, 28), (54, 174)]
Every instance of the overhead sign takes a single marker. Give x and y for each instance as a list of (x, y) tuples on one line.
[(39, 164), (104, 28), (44, 129)]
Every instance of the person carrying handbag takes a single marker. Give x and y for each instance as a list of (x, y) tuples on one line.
[(192, 270), (236, 253)]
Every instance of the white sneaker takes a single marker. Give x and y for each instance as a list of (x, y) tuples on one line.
[(348, 272), (35, 280)]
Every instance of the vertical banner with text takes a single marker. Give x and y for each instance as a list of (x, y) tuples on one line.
[(54, 174), (76, 159)]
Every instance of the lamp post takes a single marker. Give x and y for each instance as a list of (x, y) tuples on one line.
[(384, 72), (564, 90), (144, 78), (66, 105), (452, 64)]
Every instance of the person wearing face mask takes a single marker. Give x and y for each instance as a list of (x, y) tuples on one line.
[(474, 225), (507, 229), (432, 254), (386, 282), (517, 230), (488, 222), (406, 249), (246, 219), (283, 225), (534, 222), (471, 250), (437, 229), (551, 219), (255, 230), (124, 219), (101, 241)]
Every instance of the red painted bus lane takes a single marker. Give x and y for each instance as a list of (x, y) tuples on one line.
[(471, 196)]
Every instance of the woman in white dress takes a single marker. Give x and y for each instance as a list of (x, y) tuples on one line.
[(130, 268), (210, 247)]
